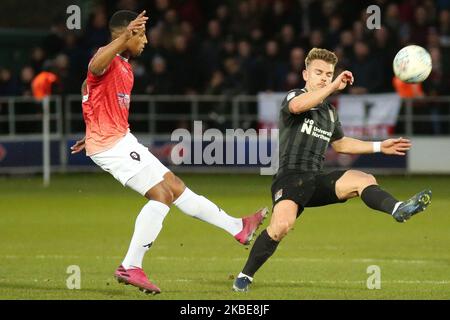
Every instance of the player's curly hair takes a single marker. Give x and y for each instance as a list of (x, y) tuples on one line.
[(321, 54)]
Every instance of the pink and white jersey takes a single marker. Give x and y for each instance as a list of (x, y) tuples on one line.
[(106, 103)]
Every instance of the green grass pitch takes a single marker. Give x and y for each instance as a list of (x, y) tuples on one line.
[(87, 220)]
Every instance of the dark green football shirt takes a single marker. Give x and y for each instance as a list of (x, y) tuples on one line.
[(304, 137)]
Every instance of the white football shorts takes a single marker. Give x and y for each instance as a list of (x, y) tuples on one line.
[(132, 164)]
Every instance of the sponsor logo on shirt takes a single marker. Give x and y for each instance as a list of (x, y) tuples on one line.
[(309, 128), (124, 100)]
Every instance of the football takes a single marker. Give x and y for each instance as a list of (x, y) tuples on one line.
[(412, 64)]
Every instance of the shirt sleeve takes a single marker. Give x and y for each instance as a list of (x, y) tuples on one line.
[(290, 95), (338, 133), (109, 67)]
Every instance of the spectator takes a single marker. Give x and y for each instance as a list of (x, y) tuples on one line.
[(223, 17), (216, 111), (61, 66), (131, 5), (297, 60), (431, 11), (334, 30), (316, 40), (384, 51), (183, 67), (189, 10), (365, 70), (228, 48), (170, 28), (140, 77), (359, 31), (287, 41), (187, 31), (210, 50), (419, 28), (159, 80), (294, 77), (292, 81), (434, 86), (433, 38), (233, 83), (257, 41), (247, 65), (78, 61), (178, 50), (343, 61), (444, 28), (393, 23), (54, 42), (244, 20), (155, 45), (26, 76), (329, 8), (37, 59), (275, 70), (346, 44), (97, 33), (160, 7), (7, 84), (391, 17), (216, 85), (275, 18)]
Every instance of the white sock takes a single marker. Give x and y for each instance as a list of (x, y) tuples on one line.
[(201, 208), (396, 206), (241, 275), (147, 227)]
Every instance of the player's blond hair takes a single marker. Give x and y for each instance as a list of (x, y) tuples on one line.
[(321, 54)]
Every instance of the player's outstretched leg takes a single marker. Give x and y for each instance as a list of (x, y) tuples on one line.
[(283, 218), (354, 183), (194, 205), (147, 227)]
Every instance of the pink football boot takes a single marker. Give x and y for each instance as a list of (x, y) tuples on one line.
[(250, 225), (136, 277)]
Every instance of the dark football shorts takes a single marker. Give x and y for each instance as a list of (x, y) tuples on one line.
[(306, 189)]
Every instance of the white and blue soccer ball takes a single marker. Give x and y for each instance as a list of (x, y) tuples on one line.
[(412, 64)]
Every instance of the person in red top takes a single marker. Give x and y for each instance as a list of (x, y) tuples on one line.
[(109, 143), (42, 84)]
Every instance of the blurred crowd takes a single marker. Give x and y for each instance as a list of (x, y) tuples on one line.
[(248, 46)]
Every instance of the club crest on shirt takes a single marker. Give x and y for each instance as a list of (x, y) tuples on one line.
[(135, 156), (124, 100)]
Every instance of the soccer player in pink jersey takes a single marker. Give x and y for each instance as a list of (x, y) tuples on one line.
[(109, 143)]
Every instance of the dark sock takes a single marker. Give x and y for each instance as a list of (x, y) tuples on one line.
[(376, 198), (263, 248)]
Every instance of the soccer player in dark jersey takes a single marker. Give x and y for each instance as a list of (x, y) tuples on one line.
[(308, 124)]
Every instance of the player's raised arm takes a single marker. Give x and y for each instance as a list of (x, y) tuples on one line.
[(310, 99), (120, 35), (348, 145)]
